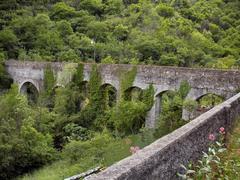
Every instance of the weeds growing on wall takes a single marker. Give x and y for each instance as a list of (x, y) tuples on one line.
[(49, 80), (46, 97), (78, 77), (126, 80)]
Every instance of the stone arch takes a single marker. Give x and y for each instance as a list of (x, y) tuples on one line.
[(109, 93), (201, 108), (31, 91), (133, 93), (158, 102), (213, 99), (30, 81)]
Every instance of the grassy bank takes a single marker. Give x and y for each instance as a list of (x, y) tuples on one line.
[(104, 150)]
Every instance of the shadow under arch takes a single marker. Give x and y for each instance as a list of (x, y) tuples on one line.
[(133, 93), (30, 91), (109, 94)]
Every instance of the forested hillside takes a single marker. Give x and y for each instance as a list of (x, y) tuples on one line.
[(162, 32)]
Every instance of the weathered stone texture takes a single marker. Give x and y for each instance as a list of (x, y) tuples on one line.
[(202, 81), (161, 160)]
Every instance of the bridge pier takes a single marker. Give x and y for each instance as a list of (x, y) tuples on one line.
[(151, 119)]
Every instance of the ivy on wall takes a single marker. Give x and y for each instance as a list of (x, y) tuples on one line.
[(78, 76), (65, 76), (49, 79), (126, 80)]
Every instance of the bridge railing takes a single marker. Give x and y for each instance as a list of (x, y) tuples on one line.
[(162, 159)]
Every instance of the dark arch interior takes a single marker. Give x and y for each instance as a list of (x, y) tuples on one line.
[(133, 94), (30, 91), (109, 94)]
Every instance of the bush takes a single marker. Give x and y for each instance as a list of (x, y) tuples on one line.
[(94, 148), (128, 117), (165, 10), (22, 147)]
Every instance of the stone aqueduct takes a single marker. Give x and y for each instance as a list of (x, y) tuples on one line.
[(202, 81)]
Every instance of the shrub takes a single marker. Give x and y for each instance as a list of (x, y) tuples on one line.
[(165, 10)]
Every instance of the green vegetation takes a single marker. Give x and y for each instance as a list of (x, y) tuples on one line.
[(79, 156), (166, 32), (222, 160), (171, 110), (23, 145), (5, 79), (75, 125), (210, 100)]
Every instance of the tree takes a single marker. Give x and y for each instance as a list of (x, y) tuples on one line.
[(22, 147), (98, 31), (92, 6), (165, 10), (62, 11), (64, 28), (9, 42)]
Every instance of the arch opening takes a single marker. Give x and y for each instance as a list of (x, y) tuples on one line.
[(159, 101), (133, 94), (109, 95), (207, 102), (30, 91)]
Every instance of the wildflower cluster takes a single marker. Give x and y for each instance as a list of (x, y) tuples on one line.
[(210, 165), (134, 149)]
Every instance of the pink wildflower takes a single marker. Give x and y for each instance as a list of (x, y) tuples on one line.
[(222, 130), (211, 137), (134, 149), (137, 148)]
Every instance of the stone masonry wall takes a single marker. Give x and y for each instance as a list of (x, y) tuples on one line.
[(224, 83), (161, 160)]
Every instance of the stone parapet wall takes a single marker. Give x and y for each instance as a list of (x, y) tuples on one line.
[(161, 160)]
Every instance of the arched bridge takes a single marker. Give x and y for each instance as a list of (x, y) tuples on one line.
[(224, 83)]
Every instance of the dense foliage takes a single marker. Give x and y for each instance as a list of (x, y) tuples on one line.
[(23, 145), (166, 32)]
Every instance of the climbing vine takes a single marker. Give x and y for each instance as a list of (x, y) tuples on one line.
[(148, 97), (95, 107), (49, 80), (126, 80), (66, 75), (78, 75), (128, 116)]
